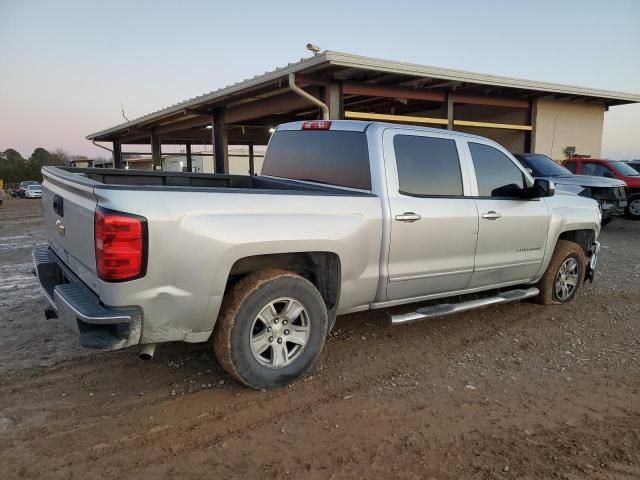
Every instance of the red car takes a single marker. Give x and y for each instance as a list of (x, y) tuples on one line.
[(611, 169)]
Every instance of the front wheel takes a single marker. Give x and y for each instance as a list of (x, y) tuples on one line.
[(633, 207), (564, 276), (271, 329)]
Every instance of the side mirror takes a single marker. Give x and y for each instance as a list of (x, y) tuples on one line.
[(529, 170), (541, 188)]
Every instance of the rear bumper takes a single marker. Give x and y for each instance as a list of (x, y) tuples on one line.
[(98, 326)]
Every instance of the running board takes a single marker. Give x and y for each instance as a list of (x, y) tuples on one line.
[(449, 308)]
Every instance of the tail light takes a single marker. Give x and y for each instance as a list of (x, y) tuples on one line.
[(121, 245), (316, 125)]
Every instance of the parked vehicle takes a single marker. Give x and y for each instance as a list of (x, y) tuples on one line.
[(33, 191), (347, 216), (610, 193), (611, 169), (23, 187)]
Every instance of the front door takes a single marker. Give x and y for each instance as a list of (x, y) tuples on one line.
[(512, 231), (434, 220)]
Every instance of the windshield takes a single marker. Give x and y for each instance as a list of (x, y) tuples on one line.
[(635, 166), (623, 169), (542, 166)]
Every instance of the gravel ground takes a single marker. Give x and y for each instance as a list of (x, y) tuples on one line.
[(512, 391)]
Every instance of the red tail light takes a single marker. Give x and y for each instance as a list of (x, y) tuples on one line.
[(316, 125), (120, 245)]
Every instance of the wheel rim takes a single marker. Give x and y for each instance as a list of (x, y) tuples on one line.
[(634, 207), (280, 332), (567, 279)]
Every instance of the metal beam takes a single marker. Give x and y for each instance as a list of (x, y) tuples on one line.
[(285, 102), (117, 155), (156, 151), (374, 90), (252, 169), (504, 126), (449, 111), (335, 100), (189, 158), (490, 101), (394, 118), (184, 125), (220, 141)]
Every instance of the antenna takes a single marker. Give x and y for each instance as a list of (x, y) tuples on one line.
[(122, 110)]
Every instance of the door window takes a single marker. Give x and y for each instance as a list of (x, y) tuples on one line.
[(427, 166), (571, 166), (496, 174), (596, 169)]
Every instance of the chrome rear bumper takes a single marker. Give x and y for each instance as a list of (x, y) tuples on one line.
[(97, 325)]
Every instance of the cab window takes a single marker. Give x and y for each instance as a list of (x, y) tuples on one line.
[(496, 173), (596, 169), (571, 166), (427, 166)]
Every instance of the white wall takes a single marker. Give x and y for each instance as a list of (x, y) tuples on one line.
[(559, 124)]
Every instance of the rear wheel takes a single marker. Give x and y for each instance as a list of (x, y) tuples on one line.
[(564, 276), (633, 207), (271, 329)]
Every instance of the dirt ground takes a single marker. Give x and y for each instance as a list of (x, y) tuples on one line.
[(517, 391)]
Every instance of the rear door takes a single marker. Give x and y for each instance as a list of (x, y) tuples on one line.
[(69, 205), (512, 230), (434, 220)]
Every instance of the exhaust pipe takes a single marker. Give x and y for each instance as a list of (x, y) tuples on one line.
[(147, 351)]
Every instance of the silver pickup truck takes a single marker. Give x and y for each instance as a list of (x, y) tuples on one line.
[(346, 216)]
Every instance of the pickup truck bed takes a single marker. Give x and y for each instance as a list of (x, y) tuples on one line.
[(140, 178)]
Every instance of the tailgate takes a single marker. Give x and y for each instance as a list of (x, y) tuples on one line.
[(69, 205)]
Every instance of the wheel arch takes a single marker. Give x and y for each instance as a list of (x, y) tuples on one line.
[(583, 237), (322, 269)]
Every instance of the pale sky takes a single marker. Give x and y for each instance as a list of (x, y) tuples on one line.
[(66, 66)]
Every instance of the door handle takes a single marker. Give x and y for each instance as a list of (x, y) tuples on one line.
[(408, 217), (491, 215)]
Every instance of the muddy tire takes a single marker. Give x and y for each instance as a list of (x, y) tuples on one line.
[(564, 276), (271, 329)]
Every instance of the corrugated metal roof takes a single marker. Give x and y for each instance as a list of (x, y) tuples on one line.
[(349, 60)]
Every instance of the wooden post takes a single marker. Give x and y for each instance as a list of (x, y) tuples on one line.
[(156, 151), (220, 142), (449, 111), (252, 169), (335, 101), (528, 134), (189, 158), (117, 155)]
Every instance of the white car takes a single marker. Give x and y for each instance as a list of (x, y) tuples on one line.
[(33, 191)]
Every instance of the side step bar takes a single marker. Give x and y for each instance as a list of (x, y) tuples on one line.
[(449, 308)]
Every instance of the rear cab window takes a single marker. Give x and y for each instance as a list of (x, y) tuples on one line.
[(427, 166), (332, 157)]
